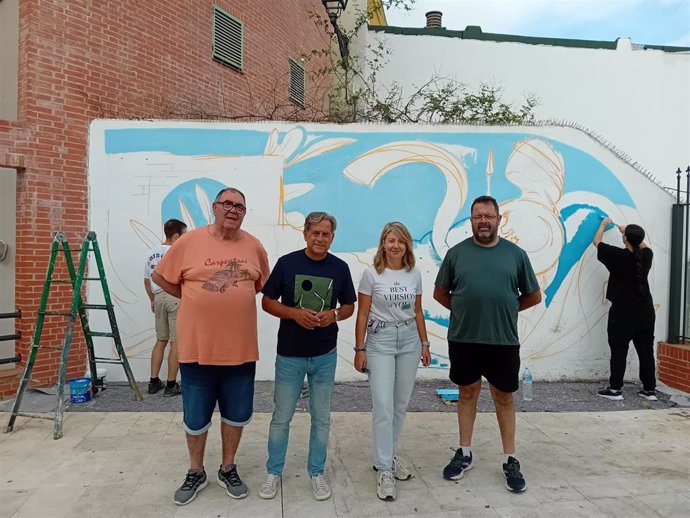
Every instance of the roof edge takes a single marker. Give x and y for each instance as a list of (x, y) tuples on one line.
[(474, 32)]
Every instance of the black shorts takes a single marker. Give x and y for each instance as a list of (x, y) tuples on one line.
[(499, 364)]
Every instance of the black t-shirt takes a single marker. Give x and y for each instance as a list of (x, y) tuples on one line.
[(298, 281), (623, 289)]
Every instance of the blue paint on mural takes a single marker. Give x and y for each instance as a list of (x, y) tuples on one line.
[(574, 248), (186, 141), (444, 321), (410, 192), (186, 194)]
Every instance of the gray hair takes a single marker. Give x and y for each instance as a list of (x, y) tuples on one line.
[(231, 189), (314, 218)]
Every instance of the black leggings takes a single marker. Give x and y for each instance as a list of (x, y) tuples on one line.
[(623, 327)]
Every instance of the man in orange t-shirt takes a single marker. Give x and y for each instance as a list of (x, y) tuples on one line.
[(216, 271)]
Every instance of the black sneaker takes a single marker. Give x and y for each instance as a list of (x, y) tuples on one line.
[(460, 463), (515, 482), (649, 395), (175, 390), (609, 393), (232, 482), (156, 386), (193, 483)]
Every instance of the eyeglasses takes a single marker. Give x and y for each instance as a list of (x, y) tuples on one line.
[(481, 217), (228, 206)]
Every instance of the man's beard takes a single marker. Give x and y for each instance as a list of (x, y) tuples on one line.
[(484, 239)]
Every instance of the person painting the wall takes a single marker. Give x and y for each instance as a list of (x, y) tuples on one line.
[(391, 318), (631, 316), (164, 307)]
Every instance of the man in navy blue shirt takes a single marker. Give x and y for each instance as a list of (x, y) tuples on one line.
[(309, 290)]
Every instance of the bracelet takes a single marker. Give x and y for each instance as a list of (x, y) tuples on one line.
[(360, 349), (337, 314), (426, 344)]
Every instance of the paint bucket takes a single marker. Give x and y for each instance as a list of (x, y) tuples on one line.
[(80, 390)]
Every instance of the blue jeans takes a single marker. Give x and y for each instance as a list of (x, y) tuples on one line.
[(290, 372), (393, 354)]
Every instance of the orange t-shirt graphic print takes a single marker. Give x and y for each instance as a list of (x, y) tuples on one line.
[(229, 277), (216, 320)]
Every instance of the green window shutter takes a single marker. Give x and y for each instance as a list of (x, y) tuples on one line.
[(228, 39), (298, 82)]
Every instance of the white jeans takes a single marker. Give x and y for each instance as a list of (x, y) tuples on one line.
[(393, 354)]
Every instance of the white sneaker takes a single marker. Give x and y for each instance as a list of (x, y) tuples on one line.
[(320, 487), (270, 487), (400, 470), (385, 489)]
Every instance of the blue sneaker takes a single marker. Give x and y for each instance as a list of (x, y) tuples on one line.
[(456, 468), (515, 482)]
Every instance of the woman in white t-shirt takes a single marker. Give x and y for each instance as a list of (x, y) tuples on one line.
[(390, 316)]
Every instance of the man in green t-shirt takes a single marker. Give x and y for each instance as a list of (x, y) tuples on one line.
[(485, 281)]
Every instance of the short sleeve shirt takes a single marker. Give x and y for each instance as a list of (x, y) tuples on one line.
[(393, 293), (216, 319), (153, 258), (299, 281), (623, 282), (485, 284)]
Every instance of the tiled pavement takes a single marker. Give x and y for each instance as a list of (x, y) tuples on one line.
[(627, 464)]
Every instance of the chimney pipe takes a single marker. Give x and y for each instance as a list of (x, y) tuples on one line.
[(433, 19)]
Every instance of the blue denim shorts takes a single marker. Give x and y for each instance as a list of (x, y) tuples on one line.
[(231, 386)]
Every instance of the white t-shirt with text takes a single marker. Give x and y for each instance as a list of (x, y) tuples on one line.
[(392, 292), (155, 255)]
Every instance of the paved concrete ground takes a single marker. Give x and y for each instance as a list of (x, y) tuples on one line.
[(617, 463)]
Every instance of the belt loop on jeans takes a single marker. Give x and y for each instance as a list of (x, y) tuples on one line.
[(401, 323), (375, 325)]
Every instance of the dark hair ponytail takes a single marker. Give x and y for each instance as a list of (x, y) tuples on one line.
[(634, 234), (639, 272)]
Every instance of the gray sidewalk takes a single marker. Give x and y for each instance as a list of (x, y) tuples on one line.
[(627, 464)]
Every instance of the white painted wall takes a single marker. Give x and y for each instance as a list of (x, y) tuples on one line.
[(552, 183), (639, 100)]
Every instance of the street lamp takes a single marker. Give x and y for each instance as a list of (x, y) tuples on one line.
[(334, 8)]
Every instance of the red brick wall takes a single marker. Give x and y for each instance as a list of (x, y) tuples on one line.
[(674, 365), (84, 59)]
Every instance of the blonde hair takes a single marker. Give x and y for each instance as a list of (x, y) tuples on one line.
[(401, 233)]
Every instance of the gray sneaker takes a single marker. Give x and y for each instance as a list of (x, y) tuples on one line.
[(194, 482), (400, 470), (232, 482), (270, 487), (385, 487), (320, 487)]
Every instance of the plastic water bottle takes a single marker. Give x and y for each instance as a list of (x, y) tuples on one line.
[(527, 393)]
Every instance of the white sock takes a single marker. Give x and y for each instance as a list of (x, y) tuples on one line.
[(508, 455), (466, 451)]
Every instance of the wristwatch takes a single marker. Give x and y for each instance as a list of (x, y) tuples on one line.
[(337, 314)]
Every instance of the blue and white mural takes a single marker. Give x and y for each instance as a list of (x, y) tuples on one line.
[(553, 184)]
